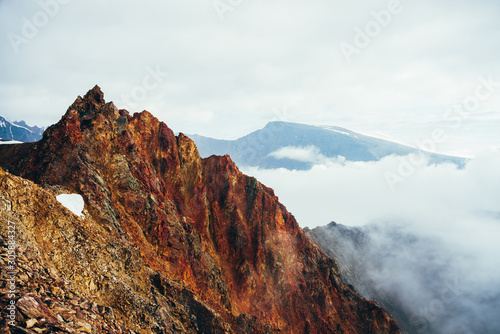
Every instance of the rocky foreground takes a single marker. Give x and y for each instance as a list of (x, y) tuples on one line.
[(168, 242), (47, 304)]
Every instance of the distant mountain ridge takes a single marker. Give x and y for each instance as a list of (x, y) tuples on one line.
[(19, 131), (261, 148)]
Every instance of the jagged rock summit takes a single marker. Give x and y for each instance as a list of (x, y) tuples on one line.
[(170, 242)]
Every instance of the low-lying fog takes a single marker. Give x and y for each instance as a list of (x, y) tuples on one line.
[(452, 213)]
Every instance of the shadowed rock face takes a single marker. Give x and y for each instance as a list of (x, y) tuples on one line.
[(170, 241)]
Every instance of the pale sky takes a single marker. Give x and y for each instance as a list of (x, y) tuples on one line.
[(224, 68)]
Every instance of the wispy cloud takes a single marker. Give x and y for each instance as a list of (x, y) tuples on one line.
[(356, 193), (310, 154)]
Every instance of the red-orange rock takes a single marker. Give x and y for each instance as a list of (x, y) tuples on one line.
[(222, 254)]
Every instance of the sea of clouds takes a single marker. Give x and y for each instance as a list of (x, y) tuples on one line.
[(447, 220)]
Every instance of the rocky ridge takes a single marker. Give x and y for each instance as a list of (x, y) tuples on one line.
[(171, 242)]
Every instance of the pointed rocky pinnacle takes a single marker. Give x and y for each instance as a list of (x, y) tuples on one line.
[(92, 101), (95, 95)]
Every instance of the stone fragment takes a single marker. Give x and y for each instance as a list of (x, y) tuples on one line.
[(30, 323), (33, 307), (83, 326)]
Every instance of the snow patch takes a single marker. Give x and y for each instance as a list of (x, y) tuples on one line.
[(329, 128), (72, 202), (2, 142)]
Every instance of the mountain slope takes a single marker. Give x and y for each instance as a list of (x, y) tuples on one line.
[(19, 131), (173, 242), (353, 250), (414, 277), (256, 149)]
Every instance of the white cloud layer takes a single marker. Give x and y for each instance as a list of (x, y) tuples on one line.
[(303, 154), (357, 193), (438, 230), (310, 154)]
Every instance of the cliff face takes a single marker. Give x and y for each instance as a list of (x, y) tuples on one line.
[(358, 258), (405, 272), (172, 242)]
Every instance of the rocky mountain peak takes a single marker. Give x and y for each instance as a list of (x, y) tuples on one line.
[(172, 242), (91, 103)]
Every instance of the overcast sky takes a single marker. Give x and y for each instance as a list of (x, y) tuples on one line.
[(235, 65)]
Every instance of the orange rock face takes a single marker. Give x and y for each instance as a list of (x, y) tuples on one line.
[(207, 249)]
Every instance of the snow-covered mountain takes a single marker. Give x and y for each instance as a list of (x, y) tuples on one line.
[(300, 146), (18, 131)]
